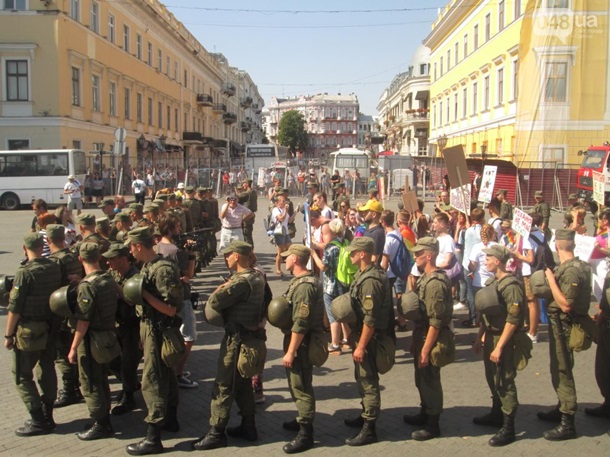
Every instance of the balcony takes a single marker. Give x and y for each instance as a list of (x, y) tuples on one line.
[(192, 138), (246, 102), (228, 89), (418, 114), (219, 108), (208, 139), (244, 126), (229, 118), (205, 100)]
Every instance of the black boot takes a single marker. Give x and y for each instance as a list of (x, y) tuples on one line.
[(149, 445), (601, 411), (302, 442), (292, 425), (418, 419), (126, 404), (506, 434), (47, 411), (246, 430), (430, 430), (38, 425), (171, 423), (493, 418), (366, 435), (99, 430), (554, 415), (564, 431), (214, 439), (68, 396)]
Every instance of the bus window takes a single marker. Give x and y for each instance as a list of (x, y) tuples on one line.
[(80, 165)]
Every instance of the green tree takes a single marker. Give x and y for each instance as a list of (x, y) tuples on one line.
[(292, 133)]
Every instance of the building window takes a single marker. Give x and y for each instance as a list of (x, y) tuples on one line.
[(16, 145), (160, 60), (435, 73), (95, 92), (500, 95), (448, 110), (551, 156), (475, 37), (557, 3), (94, 19), (15, 5), (160, 114), (150, 111), (169, 117), (464, 102), (168, 64), (501, 15), (126, 38), (457, 53), (75, 9), (127, 103), (139, 46), (176, 70), (515, 79), (465, 46), (448, 59), (442, 67), (487, 27), (75, 86), (17, 81), (517, 8), (149, 55), (486, 93), (111, 30), (455, 107), (475, 98), (176, 127), (112, 98), (555, 84), (440, 114), (139, 107)]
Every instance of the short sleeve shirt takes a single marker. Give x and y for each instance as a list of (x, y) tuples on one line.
[(234, 216), (75, 187), (481, 274), (392, 243), (446, 245)]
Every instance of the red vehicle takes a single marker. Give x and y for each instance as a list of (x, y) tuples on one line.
[(596, 159)]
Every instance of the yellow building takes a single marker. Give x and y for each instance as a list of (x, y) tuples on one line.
[(73, 71), (521, 80)]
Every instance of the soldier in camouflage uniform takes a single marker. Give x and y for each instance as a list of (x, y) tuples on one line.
[(128, 330), (176, 211), (136, 212), (28, 307), (305, 296), (163, 299), (498, 328), (122, 223), (249, 199), (571, 288), (541, 207), (193, 205), (95, 316), (240, 301), (210, 219), (187, 214), (434, 291), (102, 227), (506, 209), (71, 272), (572, 204), (372, 298), (107, 207), (86, 227)]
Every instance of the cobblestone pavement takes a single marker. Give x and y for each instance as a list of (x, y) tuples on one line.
[(465, 391)]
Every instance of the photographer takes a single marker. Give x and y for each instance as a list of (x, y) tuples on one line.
[(233, 216)]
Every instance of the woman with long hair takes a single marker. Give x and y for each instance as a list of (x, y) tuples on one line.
[(280, 219)]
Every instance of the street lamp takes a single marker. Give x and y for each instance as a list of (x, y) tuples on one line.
[(442, 142)]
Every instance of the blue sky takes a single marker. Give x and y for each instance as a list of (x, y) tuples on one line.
[(289, 54)]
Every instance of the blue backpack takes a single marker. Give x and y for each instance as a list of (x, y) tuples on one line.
[(402, 262)]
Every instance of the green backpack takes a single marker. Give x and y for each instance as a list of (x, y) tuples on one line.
[(346, 270)]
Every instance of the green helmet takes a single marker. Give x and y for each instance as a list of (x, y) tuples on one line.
[(212, 316), (6, 284), (279, 313), (408, 306), (486, 301), (63, 301), (342, 310), (132, 289), (540, 286)]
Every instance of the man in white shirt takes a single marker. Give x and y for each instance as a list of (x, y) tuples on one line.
[(471, 237), (232, 217), (319, 200), (73, 189), (139, 189)]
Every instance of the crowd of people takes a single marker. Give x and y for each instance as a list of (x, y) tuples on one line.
[(360, 273)]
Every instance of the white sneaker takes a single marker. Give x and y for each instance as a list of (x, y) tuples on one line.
[(459, 306), (534, 338)]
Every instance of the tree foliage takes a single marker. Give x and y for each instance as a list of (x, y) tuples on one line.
[(292, 133)]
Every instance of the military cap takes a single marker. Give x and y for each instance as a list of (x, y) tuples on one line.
[(152, 207), (106, 202), (162, 197), (171, 197), (284, 191), (86, 219), (116, 250), (499, 252), (189, 189), (501, 191), (247, 181), (573, 197), (564, 235), (179, 198), (200, 190), (139, 235), (56, 232), (136, 207), (122, 217), (157, 231), (311, 185), (33, 241), (426, 243), (506, 223), (301, 251), (208, 189), (538, 193), (372, 205), (160, 203), (278, 188), (89, 251), (241, 247), (363, 243), (339, 185), (102, 222)]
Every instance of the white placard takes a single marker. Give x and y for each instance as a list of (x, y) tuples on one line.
[(599, 183), (260, 182), (460, 198), (488, 181), (522, 223), (584, 246)]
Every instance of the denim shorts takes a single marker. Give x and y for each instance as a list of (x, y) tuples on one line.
[(327, 301), (281, 240)]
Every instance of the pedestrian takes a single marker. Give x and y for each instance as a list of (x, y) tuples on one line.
[(29, 312), (280, 220), (248, 198), (97, 188), (372, 215), (506, 209), (95, 315), (472, 236), (542, 207), (240, 300), (73, 189), (138, 186), (233, 216), (304, 294)]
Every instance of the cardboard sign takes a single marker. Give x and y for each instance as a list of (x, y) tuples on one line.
[(522, 223), (459, 198), (486, 192), (455, 161), (599, 183), (381, 187), (409, 199)]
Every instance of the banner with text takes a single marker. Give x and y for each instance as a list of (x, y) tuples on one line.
[(522, 223), (486, 193), (460, 198), (599, 183)]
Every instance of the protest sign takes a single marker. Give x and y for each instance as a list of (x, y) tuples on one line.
[(459, 198), (486, 192), (522, 223)]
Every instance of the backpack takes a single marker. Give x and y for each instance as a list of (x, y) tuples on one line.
[(402, 262), (346, 270), (543, 258)]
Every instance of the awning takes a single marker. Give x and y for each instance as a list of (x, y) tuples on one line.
[(422, 95), (386, 153)]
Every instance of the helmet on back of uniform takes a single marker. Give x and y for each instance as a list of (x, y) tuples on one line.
[(279, 313), (132, 289), (6, 284), (63, 301), (212, 316)]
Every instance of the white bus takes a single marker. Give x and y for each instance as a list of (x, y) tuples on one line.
[(28, 175), (352, 159)]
